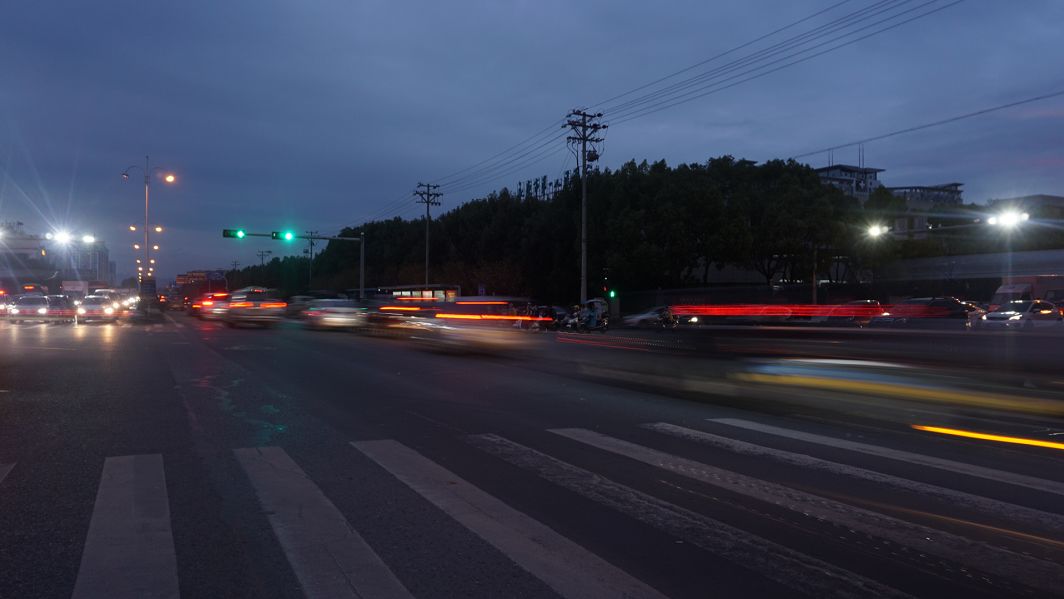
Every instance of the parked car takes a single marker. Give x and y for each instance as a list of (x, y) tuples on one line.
[(254, 305), (334, 314), (97, 308), (1023, 314), (925, 313)]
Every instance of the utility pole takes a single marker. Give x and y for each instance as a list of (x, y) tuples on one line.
[(234, 264), (310, 263), (427, 194), (585, 126), (262, 256)]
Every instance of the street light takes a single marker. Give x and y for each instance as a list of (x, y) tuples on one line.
[(148, 172), (136, 246), (88, 239), (1008, 219), (62, 237), (875, 231), (155, 247), (158, 229)]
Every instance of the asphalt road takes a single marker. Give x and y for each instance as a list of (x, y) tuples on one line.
[(188, 459)]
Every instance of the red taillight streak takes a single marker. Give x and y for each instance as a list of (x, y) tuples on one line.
[(401, 308), (240, 305), (274, 305), (492, 317), (482, 303), (208, 303)]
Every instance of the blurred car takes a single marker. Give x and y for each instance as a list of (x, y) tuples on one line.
[(97, 308), (476, 325), (297, 305), (857, 313), (61, 308), (651, 317), (975, 313), (1023, 314), (28, 308), (214, 306), (254, 305), (334, 314), (925, 313)]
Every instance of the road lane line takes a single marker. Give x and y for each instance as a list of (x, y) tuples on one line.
[(790, 568), (328, 556), (1030, 482), (1001, 562), (5, 469), (563, 565), (1017, 513), (129, 549)]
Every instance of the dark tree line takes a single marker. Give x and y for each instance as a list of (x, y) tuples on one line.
[(650, 226)]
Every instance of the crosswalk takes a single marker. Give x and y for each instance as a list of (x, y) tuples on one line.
[(129, 548)]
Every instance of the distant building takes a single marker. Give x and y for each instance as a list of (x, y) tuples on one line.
[(854, 181), (29, 258), (920, 202), (1040, 205)]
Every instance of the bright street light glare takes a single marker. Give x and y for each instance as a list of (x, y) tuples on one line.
[(62, 237), (1009, 219), (155, 247), (132, 227), (158, 229), (169, 178), (876, 230), (88, 239)]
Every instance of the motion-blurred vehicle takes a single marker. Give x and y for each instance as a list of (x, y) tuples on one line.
[(297, 305), (650, 318), (61, 309), (254, 305), (334, 314), (97, 308), (213, 306), (472, 325), (857, 313), (29, 308), (1023, 314), (925, 313), (1045, 287)]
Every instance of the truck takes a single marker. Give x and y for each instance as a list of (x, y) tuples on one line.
[(1044, 287)]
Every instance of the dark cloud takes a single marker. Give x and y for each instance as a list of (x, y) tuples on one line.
[(316, 115)]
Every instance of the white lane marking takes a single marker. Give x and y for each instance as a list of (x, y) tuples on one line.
[(129, 549), (328, 556), (563, 565), (790, 568), (986, 505), (994, 560), (1030, 482), (5, 469)]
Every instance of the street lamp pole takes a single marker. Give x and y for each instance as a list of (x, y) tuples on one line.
[(147, 194)]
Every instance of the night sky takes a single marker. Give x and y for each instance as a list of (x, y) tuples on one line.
[(319, 115)]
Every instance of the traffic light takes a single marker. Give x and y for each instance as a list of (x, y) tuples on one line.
[(234, 233), (613, 293), (283, 235)]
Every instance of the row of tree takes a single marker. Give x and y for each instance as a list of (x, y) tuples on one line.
[(650, 226)]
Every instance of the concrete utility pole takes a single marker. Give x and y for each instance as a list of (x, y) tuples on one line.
[(427, 194), (234, 264), (584, 126), (262, 256)]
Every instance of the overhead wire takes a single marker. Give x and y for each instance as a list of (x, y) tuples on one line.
[(937, 123), (699, 93)]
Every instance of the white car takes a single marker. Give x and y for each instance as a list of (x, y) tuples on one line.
[(1023, 314)]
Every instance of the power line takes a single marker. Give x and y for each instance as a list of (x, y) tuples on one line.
[(552, 127), (935, 123), (670, 104), (487, 172), (721, 55), (539, 153)]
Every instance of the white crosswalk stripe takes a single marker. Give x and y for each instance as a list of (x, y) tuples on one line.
[(1017, 513), (1001, 562), (5, 469), (330, 559), (563, 565), (802, 573), (129, 549), (1012, 478)]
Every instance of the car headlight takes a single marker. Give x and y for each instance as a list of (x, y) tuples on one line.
[(983, 317), (1016, 317), (115, 305), (885, 314), (81, 310), (77, 302), (108, 310), (14, 310), (694, 319), (42, 310)]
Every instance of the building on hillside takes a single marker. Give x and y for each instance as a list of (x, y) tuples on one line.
[(920, 202), (854, 181)]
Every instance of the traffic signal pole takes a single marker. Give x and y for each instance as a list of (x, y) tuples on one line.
[(289, 236)]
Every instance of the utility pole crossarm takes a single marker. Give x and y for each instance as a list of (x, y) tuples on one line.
[(584, 126), (427, 194)]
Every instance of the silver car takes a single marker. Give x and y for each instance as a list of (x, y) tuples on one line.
[(254, 305), (334, 314)]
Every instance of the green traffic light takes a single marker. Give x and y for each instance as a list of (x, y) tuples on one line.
[(613, 293), (289, 236), (240, 233)]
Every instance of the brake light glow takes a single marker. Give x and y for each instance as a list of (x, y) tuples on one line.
[(401, 308), (493, 317), (482, 303), (274, 304), (240, 305), (208, 303)]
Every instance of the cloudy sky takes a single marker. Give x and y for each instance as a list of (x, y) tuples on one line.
[(320, 114)]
